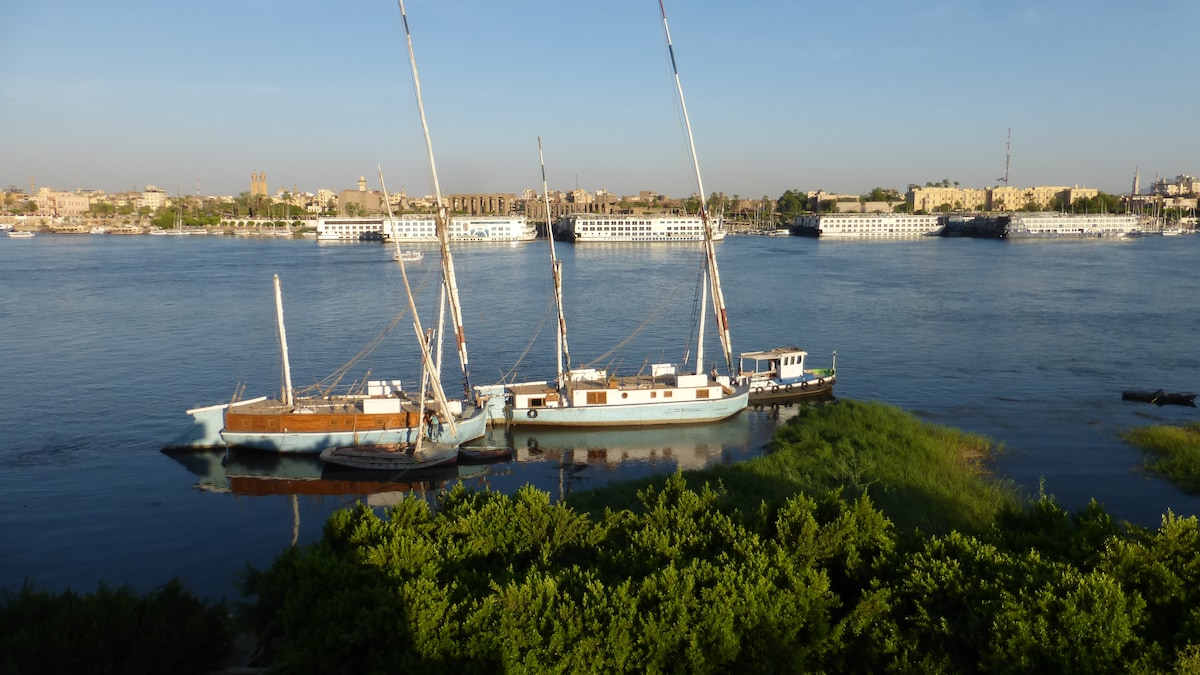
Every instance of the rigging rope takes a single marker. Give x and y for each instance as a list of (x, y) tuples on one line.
[(325, 386), (649, 319)]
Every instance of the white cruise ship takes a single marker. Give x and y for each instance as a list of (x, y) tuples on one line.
[(350, 229), (1053, 225), (588, 227), (415, 228), (866, 225)]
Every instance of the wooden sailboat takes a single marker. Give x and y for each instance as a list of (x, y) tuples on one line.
[(668, 394), (385, 417)]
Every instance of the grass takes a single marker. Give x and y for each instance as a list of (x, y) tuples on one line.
[(922, 476), (1172, 452)]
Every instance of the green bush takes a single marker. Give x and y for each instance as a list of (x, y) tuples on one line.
[(112, 631)]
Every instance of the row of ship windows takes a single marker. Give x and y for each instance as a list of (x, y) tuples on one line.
[(602, 228)]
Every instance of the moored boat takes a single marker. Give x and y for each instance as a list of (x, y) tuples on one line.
[(408, 255), (385, 414), (20, 234), (392, 456), (656, 227), (1160, 397), (779, 375), (668, 393)]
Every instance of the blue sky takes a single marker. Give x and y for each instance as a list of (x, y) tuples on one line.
[(782, 94)]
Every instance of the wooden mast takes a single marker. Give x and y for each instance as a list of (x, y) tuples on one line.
[(428, 369), (556, 270), (443, 223), (710, 251), (288, 395)]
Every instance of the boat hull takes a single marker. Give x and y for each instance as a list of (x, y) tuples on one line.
[(207, 423), (623, 415), (776, 391), (471, 425)]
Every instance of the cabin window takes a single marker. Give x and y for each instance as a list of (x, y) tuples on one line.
[(537, 402), (701, 393), (667, 394), (597, 397), (624, 394), (272, 424), (333, 421)]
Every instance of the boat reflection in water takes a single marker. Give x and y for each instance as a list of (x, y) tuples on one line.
[(694, 446), (556, 460), (258, 474)]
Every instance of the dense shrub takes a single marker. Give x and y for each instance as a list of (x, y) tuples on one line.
[(112, 631)]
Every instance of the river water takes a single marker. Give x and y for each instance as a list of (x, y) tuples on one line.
[(107, 340)]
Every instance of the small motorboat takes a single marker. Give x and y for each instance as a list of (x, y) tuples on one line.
[(408, 256), (1160, 397), (779, 375)]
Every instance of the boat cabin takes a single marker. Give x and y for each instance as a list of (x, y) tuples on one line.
[(783, 364)]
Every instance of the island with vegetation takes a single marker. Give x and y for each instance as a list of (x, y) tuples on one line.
[(865, 541)]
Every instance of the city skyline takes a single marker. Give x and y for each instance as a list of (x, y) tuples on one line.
[(781, 96)]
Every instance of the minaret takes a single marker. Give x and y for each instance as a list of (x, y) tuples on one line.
[(362, 184), (1137, 181)]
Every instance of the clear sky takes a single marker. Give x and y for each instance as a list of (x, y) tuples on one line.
[(783, 94)]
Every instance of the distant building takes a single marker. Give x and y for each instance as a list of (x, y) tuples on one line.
[(258, 184), (152, 198), (61, 204), (1182, 185), (360, 202)]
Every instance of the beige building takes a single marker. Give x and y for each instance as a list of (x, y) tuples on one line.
[(361, 201), (1000, 198), (60, 204), (152, 198), (931, 199)]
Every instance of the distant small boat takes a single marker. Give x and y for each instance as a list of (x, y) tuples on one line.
[(391, 456), (20, 234), (408, 256), (1160, 397)]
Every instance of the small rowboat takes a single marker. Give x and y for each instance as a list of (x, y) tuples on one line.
[(391, 456), (1160, 397)]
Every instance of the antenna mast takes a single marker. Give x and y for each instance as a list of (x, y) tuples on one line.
[(1007, 157)]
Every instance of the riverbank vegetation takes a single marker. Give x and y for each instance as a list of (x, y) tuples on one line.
[(866, 541), (1172, 452), (112, 630)]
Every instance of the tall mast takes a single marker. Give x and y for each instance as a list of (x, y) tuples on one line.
[(556, 271), (710, 252), (288, 396), (443, 223), (429, 371), (1007, 156)]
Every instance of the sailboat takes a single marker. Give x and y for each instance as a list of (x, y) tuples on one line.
[(667, 394), (385, 416)]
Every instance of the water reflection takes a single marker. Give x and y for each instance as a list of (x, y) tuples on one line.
[(259, 474)]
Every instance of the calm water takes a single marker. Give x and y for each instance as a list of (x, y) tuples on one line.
[(108, 339)]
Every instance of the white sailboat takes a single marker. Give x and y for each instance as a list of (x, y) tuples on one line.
[(385, 417), (668, 394)]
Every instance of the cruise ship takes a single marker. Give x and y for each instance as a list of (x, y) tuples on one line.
[(1053, 225), (416, 228), (866, 225), (589, 227)]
